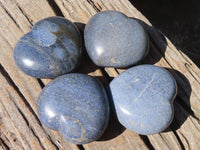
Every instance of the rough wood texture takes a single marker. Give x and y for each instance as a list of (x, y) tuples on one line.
[(19, 124)]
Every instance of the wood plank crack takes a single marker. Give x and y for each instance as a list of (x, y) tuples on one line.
[(55, 8), (23, 114), (22, 139), (7, 12), (3, 144), (27, 17), (97, 8), (147, 142), (179, 140), (10, 81)]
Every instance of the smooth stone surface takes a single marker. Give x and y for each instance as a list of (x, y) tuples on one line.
[(143, 98), (115, 40), (52, 48), (76, 105)]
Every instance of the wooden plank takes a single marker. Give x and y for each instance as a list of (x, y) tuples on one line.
[(19, 125), (17, 27), (16, 19), (173, 59), (7, 43), (185, 127), (127, 141), (13, 125)]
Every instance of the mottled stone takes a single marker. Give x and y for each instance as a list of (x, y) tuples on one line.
[(52, 48), (143, 98), (115, 40), (76, 105)]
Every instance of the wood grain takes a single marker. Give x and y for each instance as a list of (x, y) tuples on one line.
[(16, 19), (161, 48), (19, 92)]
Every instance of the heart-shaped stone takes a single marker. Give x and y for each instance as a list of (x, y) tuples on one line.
[(115, 40), (52, 48), (76, 105), (143, 98)]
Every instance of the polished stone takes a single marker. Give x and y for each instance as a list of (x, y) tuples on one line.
[(115, 40), (52, 48), (143, 98), (76, 105)]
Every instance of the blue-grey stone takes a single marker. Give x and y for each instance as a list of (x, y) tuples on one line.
[(52, 48), (115, 40), (76, 105), (143, 98)]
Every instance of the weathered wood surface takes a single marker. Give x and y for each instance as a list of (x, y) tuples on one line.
[(20, 127)]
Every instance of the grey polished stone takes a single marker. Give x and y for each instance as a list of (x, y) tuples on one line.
[(52, 48), (143, 98), (115, 40), (76, 105)]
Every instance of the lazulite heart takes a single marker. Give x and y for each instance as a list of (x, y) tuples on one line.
[(52, 48), (143, 98), (76, 105), (115, 40)]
